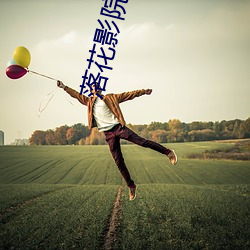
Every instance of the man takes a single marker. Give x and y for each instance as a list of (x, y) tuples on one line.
[(106, 115)]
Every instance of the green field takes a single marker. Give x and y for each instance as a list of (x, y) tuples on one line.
[(62, 197)]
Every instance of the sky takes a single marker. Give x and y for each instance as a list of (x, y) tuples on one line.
[(194, 54)]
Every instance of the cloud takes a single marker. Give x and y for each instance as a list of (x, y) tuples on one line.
[(59, 55), (69, 42), (221, 33), (137, 31)]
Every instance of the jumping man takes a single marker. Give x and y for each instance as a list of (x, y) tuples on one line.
[(106, 115)]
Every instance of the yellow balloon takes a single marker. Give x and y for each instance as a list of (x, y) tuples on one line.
[(22, 56)]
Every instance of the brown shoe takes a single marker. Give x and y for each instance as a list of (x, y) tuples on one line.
[(172, 157), (132, 193)]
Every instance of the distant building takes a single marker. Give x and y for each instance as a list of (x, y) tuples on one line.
[(1, 138)]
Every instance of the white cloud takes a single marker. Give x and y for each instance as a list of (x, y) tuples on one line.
[(69, 42), (69, 38), (137, 31), (61, 55)]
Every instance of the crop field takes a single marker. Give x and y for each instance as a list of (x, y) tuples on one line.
[(73, 197)]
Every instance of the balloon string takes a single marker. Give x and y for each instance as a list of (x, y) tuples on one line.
[(41, 75), (71, 103), (50, 96)]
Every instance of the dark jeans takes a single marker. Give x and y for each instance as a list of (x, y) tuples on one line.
[(113, 137)]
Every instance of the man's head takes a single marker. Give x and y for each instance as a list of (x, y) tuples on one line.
[(95, 89)]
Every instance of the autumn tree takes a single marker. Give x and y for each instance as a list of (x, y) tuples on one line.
[(50, 137), (70, 136), (77, 133), (175, 133), (38, 138), (95, 137), (60, 134), (159, 135)]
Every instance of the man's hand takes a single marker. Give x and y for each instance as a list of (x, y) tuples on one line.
[(148, 91), (60, 84)]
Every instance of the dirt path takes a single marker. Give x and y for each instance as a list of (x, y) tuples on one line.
[(111, 235)]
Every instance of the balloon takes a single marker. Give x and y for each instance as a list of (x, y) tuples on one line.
[(11, 62), (15, 71), (22, 56)]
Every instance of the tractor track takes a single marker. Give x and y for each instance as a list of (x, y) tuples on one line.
[(114, 222)]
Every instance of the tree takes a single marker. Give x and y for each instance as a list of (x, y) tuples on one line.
[(159, 135), (236, 128), (70, 136), (145, 133), (50, 137), (245, 129), (157, 125), (185, 130), (217, 129), (82, 142), (96, 137), (196, 126), (76, 133), (175, 133), (60, 134), (38, 138), (202, 135)]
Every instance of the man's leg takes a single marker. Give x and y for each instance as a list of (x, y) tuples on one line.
[(115, 149), (131, 136)]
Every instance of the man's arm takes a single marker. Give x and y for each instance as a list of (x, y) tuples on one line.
[(81, 98), (132, 94)]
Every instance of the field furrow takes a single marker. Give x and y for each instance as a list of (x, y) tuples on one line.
[(112, 234), (66, 218)]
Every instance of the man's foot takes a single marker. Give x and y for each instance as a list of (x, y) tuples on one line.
[(172, 157), (132, 193)]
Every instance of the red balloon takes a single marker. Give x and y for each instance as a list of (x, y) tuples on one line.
[(15, 71)]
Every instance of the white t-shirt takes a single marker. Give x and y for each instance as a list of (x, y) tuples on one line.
[(105, 119)]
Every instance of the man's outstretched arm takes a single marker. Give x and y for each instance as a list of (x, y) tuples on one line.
[(132, 94), (81, 98), (148, 91)]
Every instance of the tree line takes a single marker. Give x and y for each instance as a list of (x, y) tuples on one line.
[(172, 131)]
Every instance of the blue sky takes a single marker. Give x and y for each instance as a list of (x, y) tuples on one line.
[(195, 55)]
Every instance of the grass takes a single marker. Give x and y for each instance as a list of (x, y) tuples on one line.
[(65, 218), (240, 150), (58, 165), (187, 217), (61, 197)]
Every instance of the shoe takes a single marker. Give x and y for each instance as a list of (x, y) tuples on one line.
[(132, 193), (172, 157)]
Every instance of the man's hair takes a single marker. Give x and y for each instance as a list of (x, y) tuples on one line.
[(96, 84)]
